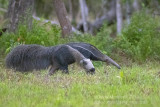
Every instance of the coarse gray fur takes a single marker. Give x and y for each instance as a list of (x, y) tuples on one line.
[(35, 57), (91, 52)]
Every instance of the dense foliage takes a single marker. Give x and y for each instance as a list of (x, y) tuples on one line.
[(140, 38)]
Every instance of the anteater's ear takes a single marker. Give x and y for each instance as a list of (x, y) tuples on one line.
[(83, 62)]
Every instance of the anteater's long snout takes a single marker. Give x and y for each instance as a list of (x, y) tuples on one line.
[(109, 60), (91, 71)]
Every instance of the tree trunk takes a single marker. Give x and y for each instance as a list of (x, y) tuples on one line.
[(70, 9), (155, 5), (136, 5), (128, 11), (75, 10), (119, 16), (84, 14), (109, 17), (62, 17), (20, 12)]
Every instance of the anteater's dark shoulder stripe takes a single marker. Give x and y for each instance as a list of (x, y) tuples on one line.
[(86, 50)]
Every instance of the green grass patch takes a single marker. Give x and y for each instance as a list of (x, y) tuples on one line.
[(136, 85)]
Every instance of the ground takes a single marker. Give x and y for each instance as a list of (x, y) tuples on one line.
[(134, 85)]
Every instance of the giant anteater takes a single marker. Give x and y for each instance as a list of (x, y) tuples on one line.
[(91, 52), (35, 57)]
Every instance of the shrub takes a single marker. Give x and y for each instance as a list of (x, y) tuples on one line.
[(140, 39), (42, 34)]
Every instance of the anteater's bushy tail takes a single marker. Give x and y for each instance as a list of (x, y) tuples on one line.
[(109, 60), (28, 57)]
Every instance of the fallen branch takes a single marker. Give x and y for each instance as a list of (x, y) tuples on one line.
[(3, 10), (55, 22), (45, 20)]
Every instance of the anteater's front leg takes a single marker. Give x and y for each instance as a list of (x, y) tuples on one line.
[(64, 69), (52, 70)]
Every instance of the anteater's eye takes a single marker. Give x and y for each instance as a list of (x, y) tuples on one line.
[(84, 63)]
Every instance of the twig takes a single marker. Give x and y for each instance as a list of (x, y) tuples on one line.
[(3, 10)]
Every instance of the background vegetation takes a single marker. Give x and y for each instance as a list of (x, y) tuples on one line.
[(139, 40)]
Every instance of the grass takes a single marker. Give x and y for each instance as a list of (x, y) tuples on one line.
[(136, 85)]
